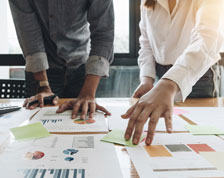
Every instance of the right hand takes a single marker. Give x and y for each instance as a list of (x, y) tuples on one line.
[(46, 91), (145, 86)]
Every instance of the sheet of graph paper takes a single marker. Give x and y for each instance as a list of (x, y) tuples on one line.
[(61, 156), (176, 155), (116, 122), (63, 123)]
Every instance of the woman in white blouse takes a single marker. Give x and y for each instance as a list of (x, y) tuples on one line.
[(180, 41)]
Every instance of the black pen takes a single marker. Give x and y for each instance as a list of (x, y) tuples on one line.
[(47, 100)]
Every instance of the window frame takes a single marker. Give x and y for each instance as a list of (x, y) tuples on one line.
[(120, 59)]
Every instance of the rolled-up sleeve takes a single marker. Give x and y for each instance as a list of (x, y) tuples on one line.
[(101, 20), (146, 59), (203, 49), (29, 35)]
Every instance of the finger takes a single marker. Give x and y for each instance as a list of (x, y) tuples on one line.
[(92, 109), (55, 100), (63, 107), (84, 110), (129, 112), (131, 122), (168, 121), (33, 106), (140, 122), (103, 109), (154, 118), (75, 109), (25, 103), (136, 95), (40, 100)]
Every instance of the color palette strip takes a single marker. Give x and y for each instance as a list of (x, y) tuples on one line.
[(200, 148), (157, 151)]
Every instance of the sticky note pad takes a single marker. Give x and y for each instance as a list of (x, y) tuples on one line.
[(215, 158), (31, 131), (204, 130), (117, 137)]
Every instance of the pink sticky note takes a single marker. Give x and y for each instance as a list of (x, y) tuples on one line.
[(178, 111)]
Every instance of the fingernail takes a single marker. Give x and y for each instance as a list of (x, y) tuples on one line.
[(169, 130), (135, 141), (73, 116), (127, 136), (148, 141)]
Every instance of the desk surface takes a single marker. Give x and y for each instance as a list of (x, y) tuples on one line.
[(126, 165)]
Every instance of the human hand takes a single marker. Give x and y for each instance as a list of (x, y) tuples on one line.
[(145, 85), (156, 103), (83, 103), (44, 92)]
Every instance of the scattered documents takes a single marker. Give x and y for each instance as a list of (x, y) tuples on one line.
[(177, 155), (204, 130), (62, 122), (30, 131), (61, 156), (117, 137)]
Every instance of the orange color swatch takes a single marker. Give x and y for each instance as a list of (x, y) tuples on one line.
[(157, 151)]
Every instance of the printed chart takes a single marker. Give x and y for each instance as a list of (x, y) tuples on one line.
[(63, 123), (60, 156), (176, 155)]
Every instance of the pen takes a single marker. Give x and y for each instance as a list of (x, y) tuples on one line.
[(47, 100)]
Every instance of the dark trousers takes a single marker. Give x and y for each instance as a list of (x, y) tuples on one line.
[(207, 86), (66, 83)]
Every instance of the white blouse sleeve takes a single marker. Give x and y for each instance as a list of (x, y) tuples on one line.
[(146, 59), (203, 49)]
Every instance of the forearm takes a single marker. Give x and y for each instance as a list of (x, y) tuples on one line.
[(90, 85)]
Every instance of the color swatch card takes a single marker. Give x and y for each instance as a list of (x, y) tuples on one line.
[(63, 123), (61, 156), (176, 155), (30, 131)]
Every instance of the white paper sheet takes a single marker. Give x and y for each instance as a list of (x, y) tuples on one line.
[(116, 122), (73, 156), (4, 136), (63, 123), (184, 161), (212, 116), (14, 119)]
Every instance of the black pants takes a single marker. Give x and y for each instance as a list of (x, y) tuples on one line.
[(207, 86), (66, 83)]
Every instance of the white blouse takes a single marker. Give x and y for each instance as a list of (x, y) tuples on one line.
[(189, 38)]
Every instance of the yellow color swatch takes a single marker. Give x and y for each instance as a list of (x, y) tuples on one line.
[(157, 151)]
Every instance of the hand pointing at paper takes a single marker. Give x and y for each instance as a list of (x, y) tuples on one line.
[(156, 103)]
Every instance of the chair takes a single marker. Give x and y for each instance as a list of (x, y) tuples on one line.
[(12, 88)]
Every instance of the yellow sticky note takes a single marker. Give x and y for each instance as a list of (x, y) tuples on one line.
[(30, 131)]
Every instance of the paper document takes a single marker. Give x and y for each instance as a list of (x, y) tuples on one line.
[(15, 118), (204, 130), (176, 155), (63, 123), (61, 156), (116, 122)]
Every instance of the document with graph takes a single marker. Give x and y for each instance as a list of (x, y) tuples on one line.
[(177, 155), (62, 122), (61, 156)]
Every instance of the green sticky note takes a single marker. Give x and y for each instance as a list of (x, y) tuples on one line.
[(31, 131), (117, 136), (204, 130)]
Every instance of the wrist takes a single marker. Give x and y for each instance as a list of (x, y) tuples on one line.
[(44, 89), (147, 80), (169, 85)]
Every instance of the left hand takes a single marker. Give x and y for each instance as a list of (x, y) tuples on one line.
[(157, 103), (83, 103)]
